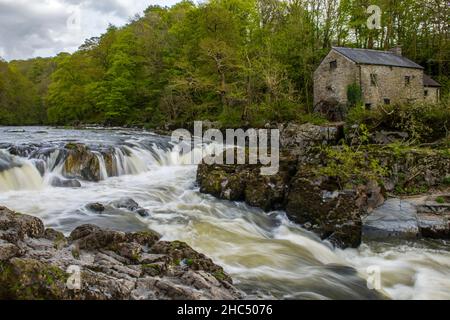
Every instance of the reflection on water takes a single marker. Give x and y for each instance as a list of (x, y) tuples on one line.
[(266, 254)]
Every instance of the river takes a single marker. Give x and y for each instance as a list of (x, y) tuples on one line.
[(267, 255)]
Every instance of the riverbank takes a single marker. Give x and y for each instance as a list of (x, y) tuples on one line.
[(94, 263), (331, 189)]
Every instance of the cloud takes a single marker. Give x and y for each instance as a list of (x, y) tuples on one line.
[(44, 28)]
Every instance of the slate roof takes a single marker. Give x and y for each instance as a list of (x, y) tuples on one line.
[(376, 57), (429, 82)]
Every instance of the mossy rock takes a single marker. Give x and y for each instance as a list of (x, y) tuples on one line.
[(29, 279)]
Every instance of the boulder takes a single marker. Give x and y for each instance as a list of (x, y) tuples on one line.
[(110, 265), (65, 183), (81, 163), (411, 218), (317, 203), (15, 227), (396, 219), (127, 204), (96, 207), (245, 183), (130, 205)]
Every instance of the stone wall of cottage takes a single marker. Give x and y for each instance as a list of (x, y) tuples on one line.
[(388, 85), (432, 95), (331, 84)]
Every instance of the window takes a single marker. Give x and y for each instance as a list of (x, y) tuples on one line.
[(387, 101), (425, 93), (330, 88), (407, 80), (373, 79), (368, 106), (333, 65)]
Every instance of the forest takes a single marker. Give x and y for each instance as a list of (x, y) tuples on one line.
[(236, 62)]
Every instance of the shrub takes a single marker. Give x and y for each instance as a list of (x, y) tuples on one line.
[(423, 122), (351, 166), (354, 95)]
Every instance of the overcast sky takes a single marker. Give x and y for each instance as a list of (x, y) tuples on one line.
[(32, 28)]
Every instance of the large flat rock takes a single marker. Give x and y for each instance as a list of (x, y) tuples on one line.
[(396, 219)]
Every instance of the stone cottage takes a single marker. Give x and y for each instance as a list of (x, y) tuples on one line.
[(379, 77), (432, 90)]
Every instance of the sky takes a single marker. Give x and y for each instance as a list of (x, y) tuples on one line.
[(43, 28)]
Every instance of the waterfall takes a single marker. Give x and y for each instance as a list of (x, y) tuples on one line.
[(42, 166), (23, 177)]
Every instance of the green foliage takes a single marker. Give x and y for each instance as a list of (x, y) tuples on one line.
[(19, 101), (423, 122), (238, 62), (354, 95), (447, 181), (440, 200), (351, 166)]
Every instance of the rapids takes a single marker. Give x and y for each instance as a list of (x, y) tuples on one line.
[(267, 255)]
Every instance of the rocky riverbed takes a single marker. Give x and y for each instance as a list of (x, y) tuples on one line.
[(96, 190), (35, 263)]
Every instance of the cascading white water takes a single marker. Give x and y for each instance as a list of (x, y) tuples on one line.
[(18, 174), (266, 254), (25, 177), (125, 161)]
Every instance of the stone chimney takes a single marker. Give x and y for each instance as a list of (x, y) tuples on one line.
[(397, 50)]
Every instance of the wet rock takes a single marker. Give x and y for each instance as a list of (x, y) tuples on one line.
[(410, 219), (91, 237), (222, 181), (125, 203), (130, 205), (245, 183), (180, 252), (318, 203), (65, 183), (144, 213), (40, 166), (7, 162), (56, 237), (112, 265), (96, 207), (110, 162), (144, 238), (396, 219), (81, 163), (15, 227)]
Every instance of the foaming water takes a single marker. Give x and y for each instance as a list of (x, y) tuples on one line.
[(18, 174), (267, 255)]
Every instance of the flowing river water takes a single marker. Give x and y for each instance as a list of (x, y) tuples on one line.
[(267, 255)]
